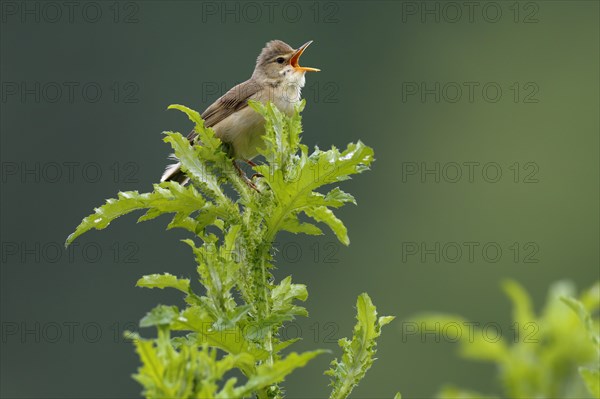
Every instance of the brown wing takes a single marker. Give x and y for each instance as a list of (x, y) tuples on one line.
[(234, 100)]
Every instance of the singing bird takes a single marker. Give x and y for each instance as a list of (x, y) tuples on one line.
[(278, 78)]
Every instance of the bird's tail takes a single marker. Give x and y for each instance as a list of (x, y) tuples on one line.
[(174, 173)]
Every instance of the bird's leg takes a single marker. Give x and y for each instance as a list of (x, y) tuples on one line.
[(249, 162), (243, 176)]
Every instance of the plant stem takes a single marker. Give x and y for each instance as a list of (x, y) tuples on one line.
[(266, 308)]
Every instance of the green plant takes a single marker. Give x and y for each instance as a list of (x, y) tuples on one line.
[(547, 350), (234, 324), (584, 307)]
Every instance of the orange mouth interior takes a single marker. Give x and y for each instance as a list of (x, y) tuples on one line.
[(296, 58)]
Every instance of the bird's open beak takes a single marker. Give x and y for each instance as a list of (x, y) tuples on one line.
[(296, 57)]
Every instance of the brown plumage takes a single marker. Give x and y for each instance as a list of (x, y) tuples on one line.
[(271, 50)]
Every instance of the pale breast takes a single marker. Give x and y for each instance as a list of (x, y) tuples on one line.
[(244, 129), (289, 93)]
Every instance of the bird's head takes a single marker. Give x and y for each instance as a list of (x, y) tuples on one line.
[(279, 62)]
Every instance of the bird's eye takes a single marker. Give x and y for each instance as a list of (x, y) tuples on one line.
[(280, 60)]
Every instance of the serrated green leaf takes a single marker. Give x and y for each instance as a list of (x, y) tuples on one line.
[(285, 292), (184, 370), (163, 281), (325, 215), (293, 176), (281, 345), (194, 167), (293, 225), (167, 197), (337, 198), (269, 374), (358, 353), (160, 316), (193, 115), (207, 161), (151, 372), (282, 298), (232, 340)]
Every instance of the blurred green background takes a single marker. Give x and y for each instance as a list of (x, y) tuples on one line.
[(438, 89)]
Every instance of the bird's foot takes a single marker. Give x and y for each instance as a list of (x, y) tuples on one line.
[(251, 184), (256, 175), (243, 176)]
